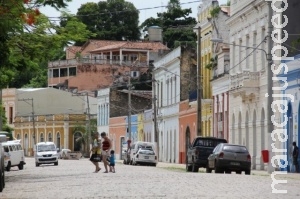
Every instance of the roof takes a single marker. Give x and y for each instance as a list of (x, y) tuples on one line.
[(74, 49), (148, 45)]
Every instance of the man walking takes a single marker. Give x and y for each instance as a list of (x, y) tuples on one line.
[(295, 157), (106, 146)]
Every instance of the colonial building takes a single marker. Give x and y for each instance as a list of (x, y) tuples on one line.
[(248, 77), (220, 72), (47, 114), (175, 77), (204, 16)]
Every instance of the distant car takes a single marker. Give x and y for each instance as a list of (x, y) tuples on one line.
[(63, 153), (145, 157), (228, 157)]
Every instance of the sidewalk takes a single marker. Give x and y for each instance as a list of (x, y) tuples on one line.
[(202, 170)]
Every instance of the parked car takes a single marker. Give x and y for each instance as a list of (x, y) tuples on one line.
[(228, 157), (2, 168), (63, 154), (14, 154), (199, 151), (134, 149), (45, 153), (145, 156)]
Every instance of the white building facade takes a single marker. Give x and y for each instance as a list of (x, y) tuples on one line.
[(148, 125), (103, 110), (248, 77), (166, 74)]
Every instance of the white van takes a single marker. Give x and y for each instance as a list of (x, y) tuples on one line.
[(2, 167), (14, 154), (138, 145), (45, 153)]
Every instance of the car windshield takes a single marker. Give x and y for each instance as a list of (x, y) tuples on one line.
[(45, 147), (209, 142), (145, 147), (236, 149), (147, 152)]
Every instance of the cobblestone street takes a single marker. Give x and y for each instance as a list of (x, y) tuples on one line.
[(75, 179)]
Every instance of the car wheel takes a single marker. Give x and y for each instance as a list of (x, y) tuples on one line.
[(1, 181), (21, 165), (55, 163), (188, 168), (195, 168), (37, 164), (217, 169), (208, 170), (130, 163), (248, 172), (8, 166)]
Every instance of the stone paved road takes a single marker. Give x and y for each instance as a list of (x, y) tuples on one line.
[(75, 179)]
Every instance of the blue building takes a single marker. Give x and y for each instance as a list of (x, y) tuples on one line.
[(292, 88), (134, 128)]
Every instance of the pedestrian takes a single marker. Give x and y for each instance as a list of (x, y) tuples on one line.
[(106, 146), (96, 152), (295, 157), (112, 161)]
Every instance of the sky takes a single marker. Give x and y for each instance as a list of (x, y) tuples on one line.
[(139, 4)]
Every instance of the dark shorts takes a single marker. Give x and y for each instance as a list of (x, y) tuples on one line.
[(93, 156), (111, 164)]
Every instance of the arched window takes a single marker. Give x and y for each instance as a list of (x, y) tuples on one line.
[(50, 137), (18, 136), (58, 140), (42, 137)]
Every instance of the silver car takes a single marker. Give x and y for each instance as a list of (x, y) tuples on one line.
[(145, 156), (228, 157)]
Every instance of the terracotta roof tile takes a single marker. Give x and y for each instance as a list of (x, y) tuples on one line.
[(74, 49)]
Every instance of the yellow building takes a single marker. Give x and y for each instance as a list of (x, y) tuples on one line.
[(141, 135), (62, 129), (204, 17), (59, 116)]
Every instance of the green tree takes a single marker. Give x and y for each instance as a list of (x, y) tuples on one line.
[(176, 24), (111, 20)]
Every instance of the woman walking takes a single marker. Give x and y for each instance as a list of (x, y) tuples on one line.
[(96, 151), (106, 146)]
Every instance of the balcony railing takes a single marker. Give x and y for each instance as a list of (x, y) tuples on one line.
[(245, 83), (245, 79), (74, 62)]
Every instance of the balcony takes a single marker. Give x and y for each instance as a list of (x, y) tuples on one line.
[(245, 84), (75, 62)]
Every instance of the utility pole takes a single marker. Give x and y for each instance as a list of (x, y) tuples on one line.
[(129, 107), (270, 84), (156, 134), (89, 118), (199, 86), (33, 121)]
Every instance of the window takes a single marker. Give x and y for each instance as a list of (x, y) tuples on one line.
[(55, 72), (11, 113), (50, 137), (64, 72), (72, 71), (238, 149), (42, 138), (58, 140)]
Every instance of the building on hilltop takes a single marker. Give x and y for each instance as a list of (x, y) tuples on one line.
[(99, 63)]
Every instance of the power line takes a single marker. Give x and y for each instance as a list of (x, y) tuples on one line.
[(121, 11)]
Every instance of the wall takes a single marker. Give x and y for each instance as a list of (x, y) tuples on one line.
[(117, 129)]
